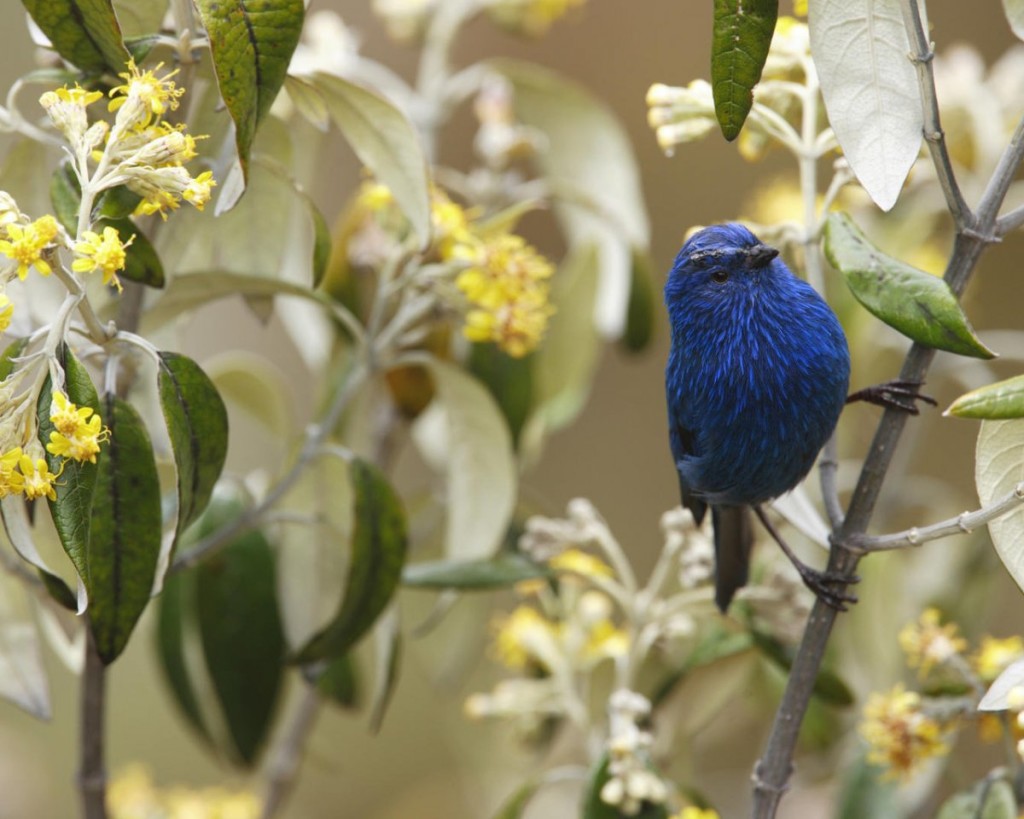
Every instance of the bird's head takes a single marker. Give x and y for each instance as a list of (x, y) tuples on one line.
[(719, 260)]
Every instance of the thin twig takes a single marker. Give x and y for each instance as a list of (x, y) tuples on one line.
[(961, 524), (1010, 222), (283, 770), (92, 774)]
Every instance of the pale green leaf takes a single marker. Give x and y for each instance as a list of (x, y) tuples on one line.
[(255, 386), (917, 304), (997, 698), (998, 469), (739, 47), (84, 32), (387, 641), (501, 571), (385, 142), (870, 89), (1014, 10), (591, 168), (999, 803), (464, 432), (23, 679), (995, 402)]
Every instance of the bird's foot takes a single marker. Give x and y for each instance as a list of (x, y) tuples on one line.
[(897, 395), (828, 587)]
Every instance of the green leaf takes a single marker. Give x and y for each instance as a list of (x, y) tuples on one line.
[(642, 304), (124, 529), (84, 32), (514, 806), (77, 485), (828, 685), (385, 142), (463, 433), (175, 620), (241, 634), (991, 799), (387, 638), (994, 402), (595, 808), (197, 424), (11, 352), (501, 571), (865, 795), (998, 469), (251, 42), (339, 682), (322, 242), (740, 40), (66, 195), (919, 305), (378, 553), (116, 202), (508, 379)]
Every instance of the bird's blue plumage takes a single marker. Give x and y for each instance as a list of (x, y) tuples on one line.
[(756, 377)]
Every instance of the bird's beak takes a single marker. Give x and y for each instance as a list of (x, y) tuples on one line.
[(759, 255)]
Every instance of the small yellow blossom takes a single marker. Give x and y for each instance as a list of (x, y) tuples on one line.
[(152, 95), (25, 244), (38, 478), (6, 312), (133, 795), (11, 481), (605, 640), (692, 812), (66, 110), (199, 189), (928, 644), (105, 253), (995, 655), (532, 17), (899, 734), (581, 563), (524, 636), (374, 197), (70, 96), (78, 432)]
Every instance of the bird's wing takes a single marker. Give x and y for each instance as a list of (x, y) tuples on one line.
[(682, 441)]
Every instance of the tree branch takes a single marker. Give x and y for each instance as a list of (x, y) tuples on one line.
[(92, 775), (974, 233), (284, 768), (963, 523)]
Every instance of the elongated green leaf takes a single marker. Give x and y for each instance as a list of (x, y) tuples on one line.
[(378, 554), (339, 682), (385, 142), (917, 304), (499, 572), (998, 469), (197, 423), (251, 42), (11, 352), (66, 195), (740, 40), (994, 402), (175, 619), (124, 529), (84, 32), (76, 487), (508, 379), (241, 634), (595, 808), (514, 806), (387, 639), (640, 316), (322, 242), (463, 433)]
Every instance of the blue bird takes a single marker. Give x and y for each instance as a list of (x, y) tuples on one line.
[(756, 379)]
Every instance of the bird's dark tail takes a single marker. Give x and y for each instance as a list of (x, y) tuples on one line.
[(733, 539)]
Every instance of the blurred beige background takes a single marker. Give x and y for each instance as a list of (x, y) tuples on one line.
[(428, 762)]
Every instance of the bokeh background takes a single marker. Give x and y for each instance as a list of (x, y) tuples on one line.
[(428, 762)]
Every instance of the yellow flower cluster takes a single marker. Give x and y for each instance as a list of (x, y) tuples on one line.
[(532, 17), (927, 644), (900, 735), (26, 244), (132, 795), (995, 655), (105, 253), (21, 474)]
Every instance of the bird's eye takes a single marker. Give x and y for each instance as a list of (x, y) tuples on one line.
[(720, 276)]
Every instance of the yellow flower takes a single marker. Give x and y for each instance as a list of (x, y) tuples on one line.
[(451, 223), (605, 640), (25, 244), (66, 109), (38, 478), (149, 94), (532, 17), (927, 644), (525, 636), (692, 812), (374, 197), (6, 312), (77, 436), (198, 190), (995, 654), (72, 96), (105, 253), (11, 482), (581, 563), (899, 734)]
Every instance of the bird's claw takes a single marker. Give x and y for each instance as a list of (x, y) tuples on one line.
[(897, 395), (823, 585)]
